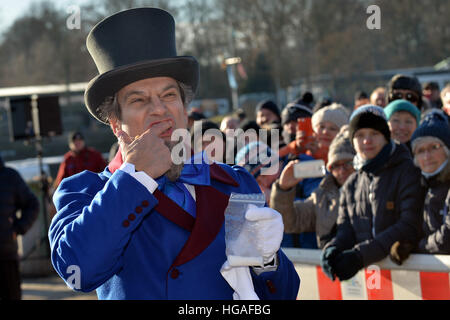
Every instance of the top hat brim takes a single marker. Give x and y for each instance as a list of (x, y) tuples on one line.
[(184, 69)]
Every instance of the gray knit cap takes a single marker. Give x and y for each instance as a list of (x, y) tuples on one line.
[(341, 147), (335, 113)]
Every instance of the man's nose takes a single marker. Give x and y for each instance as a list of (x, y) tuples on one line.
[(158, 107)]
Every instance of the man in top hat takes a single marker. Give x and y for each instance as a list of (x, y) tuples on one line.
[(148, 227)]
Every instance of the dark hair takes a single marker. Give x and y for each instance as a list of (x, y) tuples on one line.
[(361, 95)]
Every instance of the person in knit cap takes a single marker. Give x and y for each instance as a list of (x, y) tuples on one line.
[(318, 213), (403, 118), (408, 88), (431, 145), (267, 112), (289, 116), (326, 124), (380, 203)]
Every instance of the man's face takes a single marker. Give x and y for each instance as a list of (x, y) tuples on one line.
[(289, 131), (431, 94), (378, 99), (146, 102), (265, 116), (77, 145), (368, 143)]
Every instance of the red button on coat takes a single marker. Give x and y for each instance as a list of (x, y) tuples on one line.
[(174, 273), (145, 203), (126, 223), (271, 286), (131, 217), (138, 209)]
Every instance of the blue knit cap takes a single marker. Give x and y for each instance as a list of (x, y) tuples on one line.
[(402, 105), (434, 124), (254, 157)]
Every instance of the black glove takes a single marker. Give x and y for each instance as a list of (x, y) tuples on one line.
[(400, 251), (327, 261), (347, 264)]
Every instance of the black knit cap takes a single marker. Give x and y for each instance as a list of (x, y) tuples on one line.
[(294, 111), (404, 82), (75, 135), (269, 105), (369, 116)]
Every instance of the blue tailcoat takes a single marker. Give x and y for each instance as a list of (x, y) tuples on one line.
[(108, 226)]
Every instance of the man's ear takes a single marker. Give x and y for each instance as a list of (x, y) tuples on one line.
[(115, 126)]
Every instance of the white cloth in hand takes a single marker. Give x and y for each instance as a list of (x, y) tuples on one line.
[(240, 280)]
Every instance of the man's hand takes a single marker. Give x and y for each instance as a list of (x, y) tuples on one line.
[(148, 152), (400, 251), (327, 259), (268, 230), (347, 264), (287, 179)]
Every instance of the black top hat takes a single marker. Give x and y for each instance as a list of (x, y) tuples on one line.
[(133, 45)]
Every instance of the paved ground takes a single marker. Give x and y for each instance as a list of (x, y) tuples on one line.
[(51, 288)]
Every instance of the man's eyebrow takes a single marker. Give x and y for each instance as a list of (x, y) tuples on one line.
[(140, 92), (128, 94), (170, 86)]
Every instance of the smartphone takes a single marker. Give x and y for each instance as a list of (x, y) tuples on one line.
[(309, 169), (305, 125)]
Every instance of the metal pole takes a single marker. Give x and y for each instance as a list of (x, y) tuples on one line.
[(43, 177)]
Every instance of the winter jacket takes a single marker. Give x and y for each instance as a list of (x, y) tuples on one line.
[(14, 195), (436, 217), (317, 214), (379, 209), (73, 163)]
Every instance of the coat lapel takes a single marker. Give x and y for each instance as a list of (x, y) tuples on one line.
[(210, 216)]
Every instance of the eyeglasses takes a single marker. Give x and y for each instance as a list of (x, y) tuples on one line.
[(411, 97), (346, 165), (420, 152)]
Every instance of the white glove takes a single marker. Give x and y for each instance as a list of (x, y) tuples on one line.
[(263, 227), (267, 225)]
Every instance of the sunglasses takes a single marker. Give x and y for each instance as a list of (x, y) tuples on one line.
[(411, 97)]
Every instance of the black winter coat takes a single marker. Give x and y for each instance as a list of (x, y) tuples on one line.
[(14, 195), (379, 209), (436, 217)]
